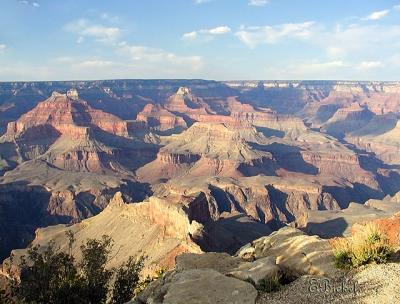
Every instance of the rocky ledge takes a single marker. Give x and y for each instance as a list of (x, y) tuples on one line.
[(221, 278)]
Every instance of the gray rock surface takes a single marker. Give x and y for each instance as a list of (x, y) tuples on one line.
[(198, 286)]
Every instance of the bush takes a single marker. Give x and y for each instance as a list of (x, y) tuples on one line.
[(127, 279), (50, 276), (274, 283), (95, 255), (367, 246), (269, 284)]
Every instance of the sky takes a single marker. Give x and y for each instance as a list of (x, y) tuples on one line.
[(203, 39)]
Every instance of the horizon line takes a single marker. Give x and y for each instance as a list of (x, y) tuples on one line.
[(203, 79)]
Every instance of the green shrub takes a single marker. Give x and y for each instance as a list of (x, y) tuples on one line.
[(367, 246), (127, 279), (50, 276), (269, 284)]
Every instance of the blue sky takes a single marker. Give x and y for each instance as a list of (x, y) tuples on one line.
[(209, 39)]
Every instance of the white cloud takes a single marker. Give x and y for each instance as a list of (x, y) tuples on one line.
[(258, 2), (190, 35), (32, 3), (85, 63), (219, 30), (358, 41), (377, 15), (202, 1), (152, 56), (102, 32), (321, 66), (367, 65), (96, 63), (253, 36), (99, 32), (335, 69), (2, 47), (396, 7)]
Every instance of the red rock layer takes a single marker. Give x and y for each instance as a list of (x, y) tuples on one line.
[(160, 118), (68, 116), (390, 228)]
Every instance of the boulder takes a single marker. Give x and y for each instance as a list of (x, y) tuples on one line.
[(257, 270), (221, 262), (198, 286), (294, 251)]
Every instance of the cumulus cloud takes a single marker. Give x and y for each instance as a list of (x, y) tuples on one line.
[(2, 47), (258, 2), (377, 15), (99, 32), (341, 42), (219, 30), (256, 35)]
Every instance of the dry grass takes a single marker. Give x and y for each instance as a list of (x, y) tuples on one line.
[(369, 245)]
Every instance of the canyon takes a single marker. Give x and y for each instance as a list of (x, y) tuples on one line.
[(192, 165)]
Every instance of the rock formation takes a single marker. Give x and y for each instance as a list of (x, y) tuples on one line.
[(269, 200), (347, 119), (160, 228), (208, 149), (329, 224), (381, 136), (225, 279), (158, 118), (67, 115), (224, 163)]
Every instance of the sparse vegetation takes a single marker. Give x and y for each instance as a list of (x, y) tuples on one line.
[(274, 283), (269, 284), (143, 284), (52, 277), (369, 245), (127, 279)]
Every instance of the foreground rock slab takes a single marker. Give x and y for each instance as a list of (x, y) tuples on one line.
[(370, 284), (198, 286), (221, 262), (257, 271), (293, 250)]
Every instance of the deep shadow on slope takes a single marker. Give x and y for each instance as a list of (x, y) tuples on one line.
[(359, 193), (288, 158), (229, 234), (389, 181), (327, 229), (23, 208)]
